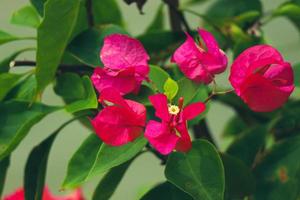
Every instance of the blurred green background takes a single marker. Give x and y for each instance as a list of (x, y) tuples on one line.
[(146, 170)]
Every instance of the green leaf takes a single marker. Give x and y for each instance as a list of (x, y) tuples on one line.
[(77, 92), (157, 23), (36, 166), (109, 183), (7, 37), (26, 16), (5, 63), (4, 164), (166, 191), (296, 68), (234, 126), (158, 77), (170, 88), (248, 144), (94, 158), (142, 96), (53, 35), (187, 90), (198, 172), (86, 46), (39, 5), (103, 15), (7, 82), (278, 173), (16, 119), (247, 17), (291, 10), (239, 180)]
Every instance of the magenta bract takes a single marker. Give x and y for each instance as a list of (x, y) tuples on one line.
[(171, 133), (125, 64), (200, 63), (121, 121), (262, 78)]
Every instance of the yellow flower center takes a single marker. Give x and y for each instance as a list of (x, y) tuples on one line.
[(173, 110)]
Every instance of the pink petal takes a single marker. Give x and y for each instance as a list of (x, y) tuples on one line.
[(139, 111), (121, 51), (161, 137), (17, 195), (160, 103), (124, 80), (261, 95), (112, 95), (193, 110), (249, 61), (184, 143)]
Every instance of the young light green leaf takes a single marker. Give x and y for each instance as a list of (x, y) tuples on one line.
[(158, 77), (94, 158), (110, 182), (170, 88), (26, 16), (16, 119), (7, 37), (4, 164), (7, 82), (198, 172), (158, 22), (102, 15), (278, 172), (54, 34), (36, 166), (166, 191)]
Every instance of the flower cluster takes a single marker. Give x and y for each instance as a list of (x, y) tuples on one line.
[(259, 75)]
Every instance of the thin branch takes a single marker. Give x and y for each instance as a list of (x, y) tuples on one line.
[(217, 93), (89, 10)]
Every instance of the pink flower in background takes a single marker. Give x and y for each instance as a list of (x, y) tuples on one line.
[(198, 63), (262, 78), (19, 195), (121, 121), (125, 64), (171, 133)]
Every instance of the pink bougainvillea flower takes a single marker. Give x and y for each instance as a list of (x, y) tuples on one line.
[(262, 78), (125, 64), (19, 195), (121, 121), (198, 63), (171, 133)]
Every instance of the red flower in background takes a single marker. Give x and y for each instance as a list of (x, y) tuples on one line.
[(125, 64), (121, 121), (262, 78), (171, 133), (198, 63), (19, 195)]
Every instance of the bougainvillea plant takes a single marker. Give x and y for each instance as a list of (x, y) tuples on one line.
[(151, 93)]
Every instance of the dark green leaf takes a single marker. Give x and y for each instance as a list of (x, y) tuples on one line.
[(16, 119), (4, 164), (110, 182), (86, 46), (142, 96), (187, 89), (158, 22), (166, 191), (26, 16), (198, 172), (296, 68), (248, 144), (106, 12), (139, 3), (7, 82), (36, 166), (278, 173), (5, 63), (158, 77), (53, 35), (239, 180), (7, 37), (39, 5), (234, 126), (93, 159)]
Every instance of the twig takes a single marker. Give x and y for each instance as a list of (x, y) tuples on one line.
[(217, 93), (89, 10)]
